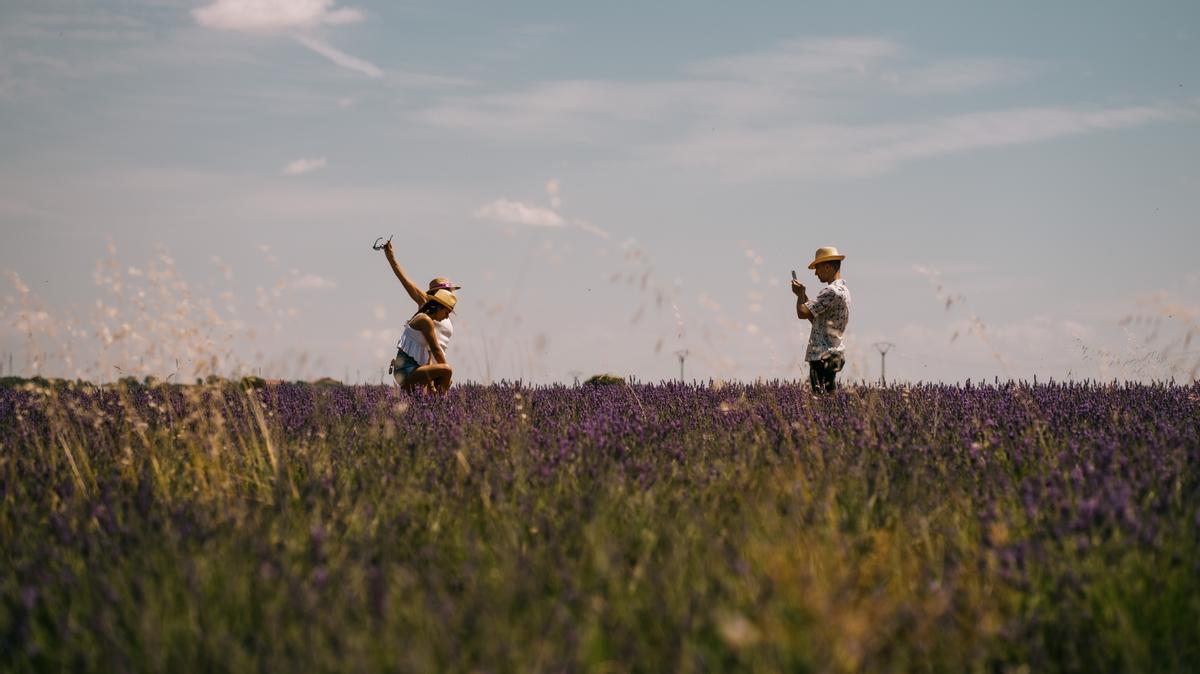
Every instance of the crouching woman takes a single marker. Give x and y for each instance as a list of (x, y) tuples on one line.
[(420, 361)]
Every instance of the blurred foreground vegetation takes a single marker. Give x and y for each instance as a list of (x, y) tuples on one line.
[(258, 526)]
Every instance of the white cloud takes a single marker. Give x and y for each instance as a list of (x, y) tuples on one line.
[(948, 135), (810, 108), (516, 212), (803, 79), (519, 213), (37, 60), (837, 150), (590, 228), (273, 15), (421, 80), (339, 57), (313, 281), (298, 17), (565, 109), (955, 76), (796, 61), (86, 24), (305, 165)]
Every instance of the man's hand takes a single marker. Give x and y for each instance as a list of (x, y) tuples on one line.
[(802, 311)]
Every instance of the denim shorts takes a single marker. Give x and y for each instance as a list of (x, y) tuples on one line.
[(403, 365)]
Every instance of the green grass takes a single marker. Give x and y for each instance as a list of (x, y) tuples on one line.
[(453, 536)]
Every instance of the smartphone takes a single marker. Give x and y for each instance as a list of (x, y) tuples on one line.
[(793, 274)]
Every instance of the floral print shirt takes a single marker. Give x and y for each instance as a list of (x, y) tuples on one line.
[(831, 312)]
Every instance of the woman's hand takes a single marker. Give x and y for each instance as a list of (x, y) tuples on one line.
[(387, 248)]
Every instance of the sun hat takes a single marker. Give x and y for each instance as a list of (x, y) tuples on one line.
[(825, 254), (445, 298), (442, 283)]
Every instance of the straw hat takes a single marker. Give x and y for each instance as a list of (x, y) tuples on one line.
[(825, 254), (442, 283), (445, 298)]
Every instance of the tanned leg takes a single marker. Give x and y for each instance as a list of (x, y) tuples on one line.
[(434, 377)]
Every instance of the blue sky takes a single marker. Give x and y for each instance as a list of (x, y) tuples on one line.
[(1015, 185)]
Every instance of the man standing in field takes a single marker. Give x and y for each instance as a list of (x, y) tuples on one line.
[(829, 313)]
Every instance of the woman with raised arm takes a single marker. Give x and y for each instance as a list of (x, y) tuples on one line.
[(420, 361), (444, 328), (427, 334)]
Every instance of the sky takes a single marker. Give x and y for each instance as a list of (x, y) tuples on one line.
[(194, 186)]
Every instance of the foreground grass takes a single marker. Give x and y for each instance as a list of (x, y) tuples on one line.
[(648, 528)]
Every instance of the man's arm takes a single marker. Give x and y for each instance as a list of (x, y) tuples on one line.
[(413, 291), (802, 311)]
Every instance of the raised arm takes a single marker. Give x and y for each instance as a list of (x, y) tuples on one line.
[(424, 325), (413, 291), (802, 311)]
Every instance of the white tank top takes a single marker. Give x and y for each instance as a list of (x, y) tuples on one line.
[(413, 342), (444, 331)]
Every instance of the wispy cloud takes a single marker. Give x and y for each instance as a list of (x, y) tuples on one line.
[(590, 228), (1019, 126), (306, 165), (312, 281), (839, 150), (93, 25), (805, 108), (339, 57), (299, 18), (519, 213), (806, 79), (863, 64), (802, 61), (40, 50), (955, 76), (514, 212), (274, 15)]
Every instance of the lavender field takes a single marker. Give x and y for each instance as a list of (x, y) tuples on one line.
[(312, 527)]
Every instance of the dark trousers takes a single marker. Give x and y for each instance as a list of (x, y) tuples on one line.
[(821, 373)]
